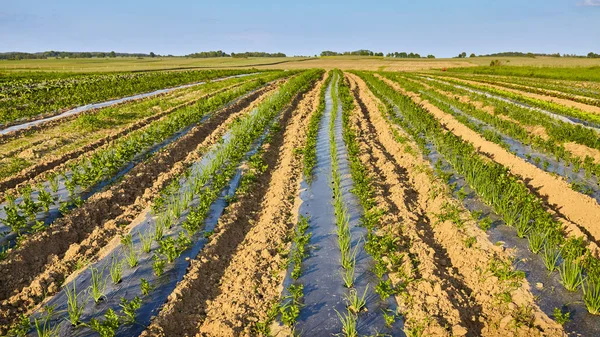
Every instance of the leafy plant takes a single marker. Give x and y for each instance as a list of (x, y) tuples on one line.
[(348, 324), (108, 327), (591, 296), (560, 317), (130, 308), (145, 287)]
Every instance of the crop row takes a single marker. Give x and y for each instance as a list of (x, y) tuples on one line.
[(570, 112), (504, 192), (86, 131), (558, 132), (87, 172), (24, 99), (546, 88), (201, 188), (477, 119)]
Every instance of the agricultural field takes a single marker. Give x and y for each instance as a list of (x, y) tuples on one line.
[(309, 197)]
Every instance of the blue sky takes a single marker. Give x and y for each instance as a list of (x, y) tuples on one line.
[(442, 28)]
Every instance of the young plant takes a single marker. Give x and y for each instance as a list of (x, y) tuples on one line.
[(356, 303), (560, 317), (108, 327), (116, 270), (389, 317), (42, 325), (130, 308), (146, 240), (158, 265), (98, 284), (571, 274), (75, 305), (591, 296), (551, 256), (131, 257), (536, 238), (145, 287), (348, 324), (385, 289)]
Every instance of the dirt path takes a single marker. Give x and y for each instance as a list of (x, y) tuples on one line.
[(42, 263), (459, 299), (579, 213), (187, 307)]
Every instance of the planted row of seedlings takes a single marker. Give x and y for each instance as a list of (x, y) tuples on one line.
[(26, 98), (558, 132), (552, 157), (542, 87), (351, 292), (199, 188), (28, 153), (214, 286), (506, 194), (82, 234), (34, 208), (574, 115)]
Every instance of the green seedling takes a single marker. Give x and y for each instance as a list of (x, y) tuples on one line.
[(355, 302), (158, 265), (130, 308), (571, 274), (131, 256), (108, 327), (385, 289), (348, 321), (75, 304), (146, 240), (560, 317), (98, 284), (145, 287), (591, 296), (116, 270), (551, 256)]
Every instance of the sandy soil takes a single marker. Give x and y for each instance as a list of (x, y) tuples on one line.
[(573, 207), (455, 295)]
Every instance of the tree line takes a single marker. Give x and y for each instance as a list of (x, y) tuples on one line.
[(68, 54), (361, 52), (532, 55)]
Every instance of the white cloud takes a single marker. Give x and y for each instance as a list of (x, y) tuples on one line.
[(591, 3)]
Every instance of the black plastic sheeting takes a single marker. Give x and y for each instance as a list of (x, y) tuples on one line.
[(324, 292)]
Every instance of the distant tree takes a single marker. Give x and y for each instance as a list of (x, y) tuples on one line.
[(593, 55), (112, 54), (152, 54), (462, 55), (430, 56), (472, 55), (101, 55)]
